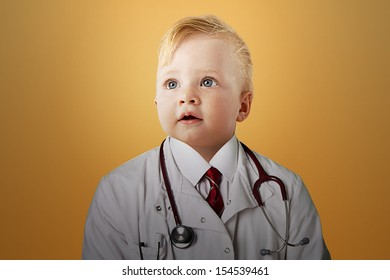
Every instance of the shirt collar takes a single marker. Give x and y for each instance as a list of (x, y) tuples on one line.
[(225, 160), (193, 166)]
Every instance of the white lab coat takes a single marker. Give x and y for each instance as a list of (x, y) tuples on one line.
[(131, 206)]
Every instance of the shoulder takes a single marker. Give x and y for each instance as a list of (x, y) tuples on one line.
[(133, 176), (137, 166)]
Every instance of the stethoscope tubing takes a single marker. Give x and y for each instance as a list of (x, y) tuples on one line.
[(168, 185), (263, 177)]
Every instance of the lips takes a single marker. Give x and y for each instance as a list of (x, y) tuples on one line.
[(189, 118), (186, 118)]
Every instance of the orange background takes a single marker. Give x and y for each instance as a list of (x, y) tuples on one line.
[(77, 82)]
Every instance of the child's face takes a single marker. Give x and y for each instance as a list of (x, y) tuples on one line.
[(199, 93)]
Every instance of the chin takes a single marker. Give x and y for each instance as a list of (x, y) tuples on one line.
[(189, 140), (200, 141)]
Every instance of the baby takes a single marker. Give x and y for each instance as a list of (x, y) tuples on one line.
[(202, 194)]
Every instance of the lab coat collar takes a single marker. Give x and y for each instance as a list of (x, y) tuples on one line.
[(225, 160)]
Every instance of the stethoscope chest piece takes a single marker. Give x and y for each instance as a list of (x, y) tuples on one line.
[(182, 236)]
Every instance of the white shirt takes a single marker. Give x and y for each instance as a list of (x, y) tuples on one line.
[(225, 160)]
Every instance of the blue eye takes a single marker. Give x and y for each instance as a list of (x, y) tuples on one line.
[(171, 85), (208, 82)]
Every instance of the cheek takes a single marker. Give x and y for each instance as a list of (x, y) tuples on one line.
[(227, 109), (162, 117), (165, 111)]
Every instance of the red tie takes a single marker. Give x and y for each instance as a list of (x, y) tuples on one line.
[(215, 198)]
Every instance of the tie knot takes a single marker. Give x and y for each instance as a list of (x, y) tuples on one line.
[(214, 175)]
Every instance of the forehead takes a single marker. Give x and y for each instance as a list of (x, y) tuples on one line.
[(201, 43), (202, 51)]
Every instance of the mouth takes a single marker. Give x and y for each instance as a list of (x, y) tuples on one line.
[(189, 118)]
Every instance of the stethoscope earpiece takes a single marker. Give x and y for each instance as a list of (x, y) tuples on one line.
[(182, 236), (265, 252)]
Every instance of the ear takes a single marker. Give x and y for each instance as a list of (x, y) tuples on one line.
[(245, 107), (155, 101)]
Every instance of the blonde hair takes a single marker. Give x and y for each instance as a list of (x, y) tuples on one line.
[(213, 27)]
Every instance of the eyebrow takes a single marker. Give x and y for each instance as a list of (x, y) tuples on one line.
[(202, 71), (211, 71), (170, 72)]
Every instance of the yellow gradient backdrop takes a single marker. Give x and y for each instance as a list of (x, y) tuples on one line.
[(77, 82)]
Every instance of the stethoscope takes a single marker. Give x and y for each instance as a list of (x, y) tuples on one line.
[(182, 236)]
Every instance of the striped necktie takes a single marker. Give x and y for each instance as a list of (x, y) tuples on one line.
[(215, 198)]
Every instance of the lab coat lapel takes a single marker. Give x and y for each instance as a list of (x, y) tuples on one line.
[(196, 212), (240, 195), (162, 203)]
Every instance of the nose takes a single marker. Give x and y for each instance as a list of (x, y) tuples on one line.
[(189, 97)]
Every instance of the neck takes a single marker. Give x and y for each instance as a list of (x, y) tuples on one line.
[(207, 152)]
